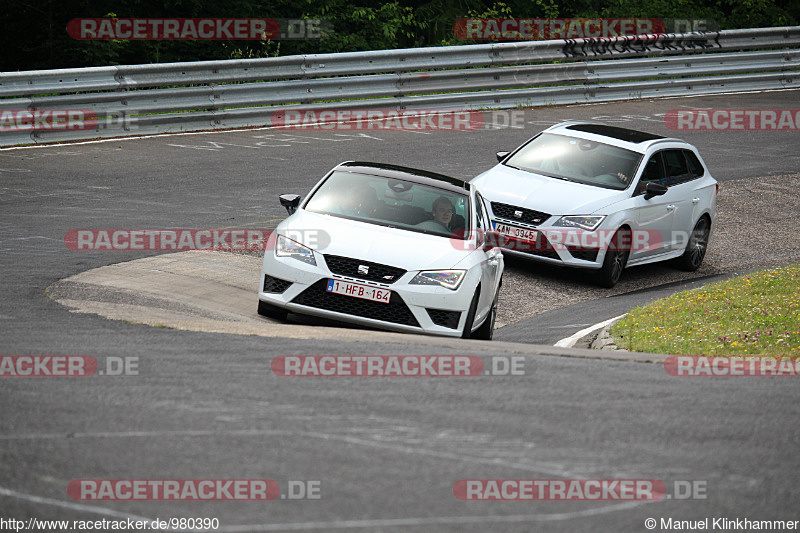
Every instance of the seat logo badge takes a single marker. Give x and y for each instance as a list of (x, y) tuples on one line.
[(363, 269), (518, 214)]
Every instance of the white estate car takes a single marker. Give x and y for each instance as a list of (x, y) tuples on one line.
[(600, 197), (389, 247)]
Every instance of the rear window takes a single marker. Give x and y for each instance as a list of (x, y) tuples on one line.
[(695, 167)]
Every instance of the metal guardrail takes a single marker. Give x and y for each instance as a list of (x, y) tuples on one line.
[(207, 95)]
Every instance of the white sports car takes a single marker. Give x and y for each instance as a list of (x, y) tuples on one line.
[(388, 247), (600, 197)]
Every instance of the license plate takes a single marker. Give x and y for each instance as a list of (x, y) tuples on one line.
[(357, 290), (518, 233)]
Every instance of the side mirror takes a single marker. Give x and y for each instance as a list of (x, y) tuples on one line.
[(654, 189), (501, 156), (290, 202)]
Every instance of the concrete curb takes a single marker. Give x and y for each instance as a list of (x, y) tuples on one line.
[(215, 292), (604, 340)]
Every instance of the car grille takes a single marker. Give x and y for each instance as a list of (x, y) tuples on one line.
[(275, 285), (447, 319), (396, 311), (529, 216), (346, 266), (540, 247)]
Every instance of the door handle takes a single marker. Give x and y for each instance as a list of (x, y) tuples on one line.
[(671, 207)]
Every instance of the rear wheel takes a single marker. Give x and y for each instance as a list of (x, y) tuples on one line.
[(616, 259), (696, 248), (486, 331), (271, 311)]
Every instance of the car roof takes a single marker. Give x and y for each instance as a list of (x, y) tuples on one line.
[(423, 177), (634, 140)]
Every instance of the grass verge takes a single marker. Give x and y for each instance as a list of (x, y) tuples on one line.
[(755, 314)]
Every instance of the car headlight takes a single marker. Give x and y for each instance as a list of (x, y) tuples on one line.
[(449, 279), (587, 222), (285, 247)]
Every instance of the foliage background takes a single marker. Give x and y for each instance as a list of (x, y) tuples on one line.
[(34, 31)]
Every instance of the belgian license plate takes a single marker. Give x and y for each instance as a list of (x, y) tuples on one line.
[(357, 290), (518, 233)]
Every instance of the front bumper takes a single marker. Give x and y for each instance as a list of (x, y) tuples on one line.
[(299, 288), (560, 246)]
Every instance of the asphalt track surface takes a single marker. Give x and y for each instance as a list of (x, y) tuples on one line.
[(386, 451)]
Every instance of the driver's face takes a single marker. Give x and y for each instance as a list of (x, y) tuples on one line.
[(443, 214)]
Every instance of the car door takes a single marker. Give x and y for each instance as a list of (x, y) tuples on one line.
[(491, 264), (699, 192), (653, 216), (679, 181)]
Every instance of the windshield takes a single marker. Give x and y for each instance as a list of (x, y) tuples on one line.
[(392, 202), (579, 160)]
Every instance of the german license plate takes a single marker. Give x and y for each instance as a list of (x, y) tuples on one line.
[(357, 290), (518, 233)]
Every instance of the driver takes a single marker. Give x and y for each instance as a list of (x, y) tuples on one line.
[(442, 213)]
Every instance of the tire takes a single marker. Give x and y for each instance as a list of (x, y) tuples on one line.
[(696, 248), (271, 311), (615, 260), (486, 331), (466, 333)]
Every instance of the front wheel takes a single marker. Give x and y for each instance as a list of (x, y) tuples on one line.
[(486, 330), (616, 259), (696, 248)]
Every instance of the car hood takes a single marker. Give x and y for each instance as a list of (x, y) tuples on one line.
[(549, 195), (379, 244)]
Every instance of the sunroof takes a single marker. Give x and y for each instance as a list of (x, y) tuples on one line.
[(623, 134)]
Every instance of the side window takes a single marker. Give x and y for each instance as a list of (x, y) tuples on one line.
[(653, 172), (675, 163), (695, 167)]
